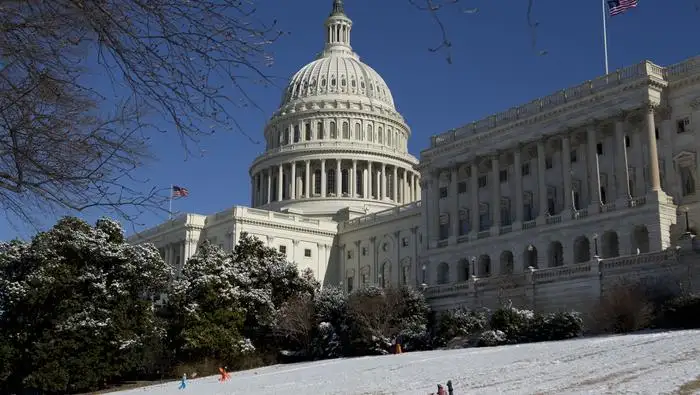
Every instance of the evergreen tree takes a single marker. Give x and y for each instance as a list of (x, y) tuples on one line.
[(76, 308)]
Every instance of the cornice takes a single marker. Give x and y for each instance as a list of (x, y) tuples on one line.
[(280, 226)]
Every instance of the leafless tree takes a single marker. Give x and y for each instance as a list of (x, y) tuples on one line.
[(86, 84), (296, 321)]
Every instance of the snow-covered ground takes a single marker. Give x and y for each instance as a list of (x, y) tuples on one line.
[(653, 363)]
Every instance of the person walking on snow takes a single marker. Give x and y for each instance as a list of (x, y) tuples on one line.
[(224, 374), (183, 382)]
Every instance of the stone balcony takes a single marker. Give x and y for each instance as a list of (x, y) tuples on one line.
[(392, 214)]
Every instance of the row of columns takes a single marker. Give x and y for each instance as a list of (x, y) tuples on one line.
[(593, 169), (404, 191)]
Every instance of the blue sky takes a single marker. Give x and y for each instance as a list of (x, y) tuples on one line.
[(494, 67)]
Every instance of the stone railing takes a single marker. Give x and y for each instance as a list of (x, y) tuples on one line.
[(179, 221), (352, 145), (553, 274), (683, 69), (272, 215), (589, 88), (391, 213)]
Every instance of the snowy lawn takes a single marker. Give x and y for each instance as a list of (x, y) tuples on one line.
[(652, 363)]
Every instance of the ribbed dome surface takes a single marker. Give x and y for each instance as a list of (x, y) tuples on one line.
[(338, 74)]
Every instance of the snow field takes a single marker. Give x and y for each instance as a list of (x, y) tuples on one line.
[(651, 363)]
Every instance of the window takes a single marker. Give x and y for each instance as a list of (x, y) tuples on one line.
[(307, 131), (317, 182), (688, 182), (572, 156), (319, 131), (656, 132), (525, 169), (548, 162), (349, 254), (346, 130), (358, 131), (682, 125), (283, 249), (483, 181), (462, 187), (364, 251), (463, 222), (380, 136), (599, 148), (370, 134), (628, 142), (443, 192), (297, 135), (503, 175), (444, 226), (404, 242), (330, 181), (484, 217), (334, 131), (307, 252)]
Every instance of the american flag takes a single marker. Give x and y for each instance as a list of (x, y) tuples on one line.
[(180, 191), (619, 6)]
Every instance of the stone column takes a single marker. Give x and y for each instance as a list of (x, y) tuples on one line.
[(395, 185), (453, 198), (253, 191), (378, 184), (323, 178), (293, 178), (593, 170), (419, 188), (435, 203), (621, 166), (518, 174), (541, 182), (367, 178), (669, 172), (474, 201), (566, 170), (280, 174), (353, 179), (382, 187), (269, 185), (496, 198), (307, 178), (338, 178), (653, 160)]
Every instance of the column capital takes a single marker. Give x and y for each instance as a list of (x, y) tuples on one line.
[(307, 161), (650, 106)]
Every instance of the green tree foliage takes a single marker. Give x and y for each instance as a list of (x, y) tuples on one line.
[(76, 308)]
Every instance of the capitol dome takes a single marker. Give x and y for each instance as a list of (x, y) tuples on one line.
[(336, 141)]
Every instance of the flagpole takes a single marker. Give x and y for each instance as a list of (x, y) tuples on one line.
[(605, 35), (170, 203)]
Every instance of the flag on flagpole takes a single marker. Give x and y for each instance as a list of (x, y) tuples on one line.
[(617, 7), (179, 191)]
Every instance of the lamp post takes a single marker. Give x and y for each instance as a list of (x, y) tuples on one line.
[(595, 245)]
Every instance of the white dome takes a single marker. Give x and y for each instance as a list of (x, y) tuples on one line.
[(338, 73)]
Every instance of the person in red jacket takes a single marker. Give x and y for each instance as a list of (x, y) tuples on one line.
[(224, 374)]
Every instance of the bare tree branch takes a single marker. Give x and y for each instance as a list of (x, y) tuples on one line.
[(175, 66)]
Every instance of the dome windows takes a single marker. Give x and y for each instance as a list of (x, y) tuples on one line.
[(362, 84), (323, 82), (346, 130), (334, 130), (333, 82), (343, 83), (352, 83)]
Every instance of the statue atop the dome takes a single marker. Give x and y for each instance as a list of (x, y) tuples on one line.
[(338, 8)]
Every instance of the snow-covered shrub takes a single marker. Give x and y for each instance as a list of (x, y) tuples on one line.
[(326, 343), (682, 312), (491, 338), (460, 323), (561, 325), (513, 322)]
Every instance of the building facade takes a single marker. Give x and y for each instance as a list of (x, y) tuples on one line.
[(604, 169)]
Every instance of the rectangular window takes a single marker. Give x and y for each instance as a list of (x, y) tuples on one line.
[(483, 181), (548, 162), (503, 175), (349, 254), (462, 187), (599, 148), (364, 251), (404, 242), (307, 252), (682, 125), (443, 192), (573, 156), (628, 141), (283, 249), (525, 169)]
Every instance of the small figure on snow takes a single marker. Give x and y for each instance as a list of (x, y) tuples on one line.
[(449, 387), (441, 390), (183, 382), (224, 374)]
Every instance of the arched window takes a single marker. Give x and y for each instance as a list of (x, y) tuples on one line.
[(334, 131), (380, 135), (297, 135), (330, 181), (346, 130), (358, 131), (370, 133), (319, 131), (307, 131), (317, 182), (389, 139)]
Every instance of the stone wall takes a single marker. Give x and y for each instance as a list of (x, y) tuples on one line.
[(572, 287)]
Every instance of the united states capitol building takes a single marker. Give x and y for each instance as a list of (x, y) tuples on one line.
[(607, 168)]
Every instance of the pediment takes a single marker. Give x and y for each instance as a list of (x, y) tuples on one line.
[(685, 158)]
